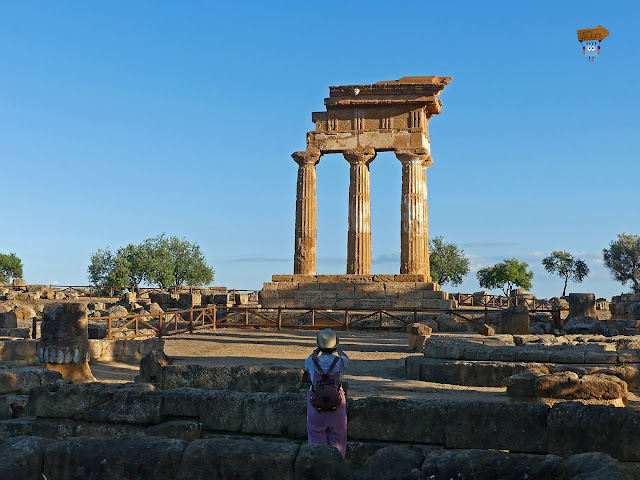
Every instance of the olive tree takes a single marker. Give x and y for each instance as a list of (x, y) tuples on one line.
[(565, 266), (176, 261), (10, 267), (505, 275), (448, 263), (161, 260), (622, 258)]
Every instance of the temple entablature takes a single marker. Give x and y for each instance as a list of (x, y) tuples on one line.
[(385, 116)]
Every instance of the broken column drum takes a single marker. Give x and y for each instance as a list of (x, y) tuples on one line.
[(64, 342), (360, 121), (582, 304)]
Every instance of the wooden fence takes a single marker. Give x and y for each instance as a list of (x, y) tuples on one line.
[(501, 302), (191, 320)]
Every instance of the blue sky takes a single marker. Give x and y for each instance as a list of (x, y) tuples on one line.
[(122, 120)]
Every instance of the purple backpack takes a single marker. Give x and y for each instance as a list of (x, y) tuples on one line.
[(325, 392)]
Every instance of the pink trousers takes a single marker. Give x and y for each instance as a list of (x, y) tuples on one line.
[(328, 428)]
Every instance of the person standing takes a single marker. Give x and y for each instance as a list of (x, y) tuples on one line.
[(328, 427)]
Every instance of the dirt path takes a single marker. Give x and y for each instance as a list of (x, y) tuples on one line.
[(377, 360)]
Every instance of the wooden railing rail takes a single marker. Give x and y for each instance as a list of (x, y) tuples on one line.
[(191, 320)]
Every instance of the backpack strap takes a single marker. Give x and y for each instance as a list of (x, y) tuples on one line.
[(333, 364), (317, 365)]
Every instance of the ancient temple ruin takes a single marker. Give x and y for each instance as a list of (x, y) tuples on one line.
[(360, 121)]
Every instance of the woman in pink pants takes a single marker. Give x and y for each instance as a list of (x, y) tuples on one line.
[(327, 427)]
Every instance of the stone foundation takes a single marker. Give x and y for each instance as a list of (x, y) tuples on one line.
[(235, 378), (65, 411), (491, 361), (625, 307), (126, 350), (354, 291), (222, 456)]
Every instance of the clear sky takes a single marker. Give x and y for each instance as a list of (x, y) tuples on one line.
[(121, 120)]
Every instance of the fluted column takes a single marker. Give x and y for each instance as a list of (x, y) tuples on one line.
[(414, 241), (359, 236), (304, 260), (427, 271)]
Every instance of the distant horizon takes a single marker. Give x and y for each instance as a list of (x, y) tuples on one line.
[(122, 121)]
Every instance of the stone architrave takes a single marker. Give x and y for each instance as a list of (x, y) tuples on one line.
[(304, 262), (359, 236), (582, 304), (64, 344), (414, 240)]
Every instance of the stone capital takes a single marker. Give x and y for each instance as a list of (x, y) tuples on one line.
[(417, 155), (359, 155), (428, 162), (309, 156)]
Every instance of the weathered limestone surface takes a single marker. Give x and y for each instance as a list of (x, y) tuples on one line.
[(65, 411), (306, 213), (26, 351), (582, 304), (125, 457), (361, 120), (418, 334), (576, 428), (64, 344), (515, 320), (221, 457), (236, 378), (8, 320), (385, 116), (18, 381), (491, 361), (359, 236), (414, 233), (354, 291), (625, 307)]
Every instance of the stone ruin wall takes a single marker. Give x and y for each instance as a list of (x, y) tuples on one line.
[(179, 422)]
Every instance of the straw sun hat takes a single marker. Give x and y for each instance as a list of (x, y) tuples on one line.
[(327, 339)]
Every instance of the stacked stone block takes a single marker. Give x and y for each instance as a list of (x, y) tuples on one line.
[(625, 307), (354, 291)]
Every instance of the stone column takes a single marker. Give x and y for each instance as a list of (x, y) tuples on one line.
[(414, 255), (304, 260), (359, 237), (64, 344), (582, 304), (427, 271)]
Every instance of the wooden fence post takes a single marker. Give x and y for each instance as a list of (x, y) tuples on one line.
[(279, 318), (346, 319)]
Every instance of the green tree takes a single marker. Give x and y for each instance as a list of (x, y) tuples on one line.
[(622, 258), (449, 265), (564, 265), (161, 260), (127, 267), (176, 261), (506, 275), (10, 267)]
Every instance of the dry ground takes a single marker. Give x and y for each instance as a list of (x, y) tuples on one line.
[(377, 360)]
